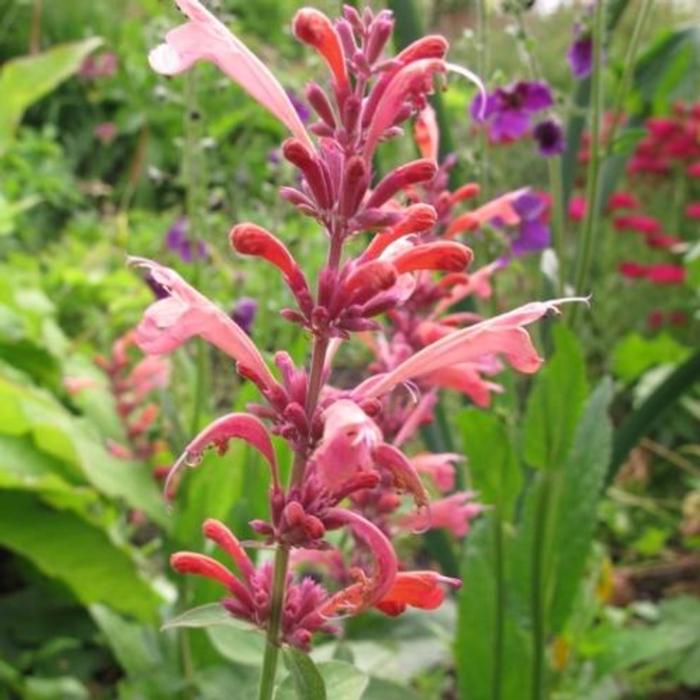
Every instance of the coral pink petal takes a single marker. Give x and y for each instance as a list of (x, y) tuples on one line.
[(205, 38)]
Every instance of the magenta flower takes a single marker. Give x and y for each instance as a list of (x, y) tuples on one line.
[(508, 111), (549, 137), (244, 313), (178, 241)]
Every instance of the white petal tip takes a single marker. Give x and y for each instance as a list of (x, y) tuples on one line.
[(165, 60)]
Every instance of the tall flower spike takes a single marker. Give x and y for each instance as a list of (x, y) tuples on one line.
[(205, 38), (184, 313)]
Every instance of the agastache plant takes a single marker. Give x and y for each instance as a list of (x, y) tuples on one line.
[(342, 444)]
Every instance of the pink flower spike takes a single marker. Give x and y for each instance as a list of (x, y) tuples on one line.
[(315, 29), (205, 38), (218, 532), (499, 335), (440, 467), (170, 322)]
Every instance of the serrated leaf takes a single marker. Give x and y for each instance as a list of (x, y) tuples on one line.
[(577, 493)]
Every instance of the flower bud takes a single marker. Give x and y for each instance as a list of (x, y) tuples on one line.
[(298, 154), (315, 29), (319, 101), (368, 280), (398, 179), (440, 255)]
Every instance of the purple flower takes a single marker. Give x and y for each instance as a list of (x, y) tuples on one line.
[(302, 109), (508, 110), (580, 54), (549, 137), (177, 240), (244, 313), (533, 234)]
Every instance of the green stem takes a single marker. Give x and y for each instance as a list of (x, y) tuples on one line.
[(558, 221), (192, 177), (498, 633), (628, 71), (589, 232), (539, 624), (269, 669), (482, 66)]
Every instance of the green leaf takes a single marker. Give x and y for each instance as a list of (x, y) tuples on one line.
[(306, 678), (492, 464), (64, 546), (626, 141), (379, 689), (241, 643), (343, 681), (207, 616), (554, 405), (25, 80), (635, 354), (492, 644), (577, 491), (638, 423), (135, 646)]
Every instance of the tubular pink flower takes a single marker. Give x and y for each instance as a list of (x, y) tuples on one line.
[(447, 256), (413, 80), (453, 513), (170, 322), (440, 467), (349, 437), (416, 219), (369, 591), (478, 283), (217, 532), (219, 433), (419, 589), (315, 29), (465, 378), (427, 133), (404, 474), (501, 207), (499, 335), (205, 38)]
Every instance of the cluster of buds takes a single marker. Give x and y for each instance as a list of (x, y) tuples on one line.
[(349, 469)]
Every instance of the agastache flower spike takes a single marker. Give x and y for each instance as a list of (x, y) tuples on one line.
[(205, 38)]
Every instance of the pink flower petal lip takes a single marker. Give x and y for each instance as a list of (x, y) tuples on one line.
[(205, 38), (405, 476), (499, 335), (170, 322), (243, 426)]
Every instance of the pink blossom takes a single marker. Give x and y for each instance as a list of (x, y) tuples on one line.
[(170, 322), (427, 133), (205, 38), (453, 513), (440, 467)]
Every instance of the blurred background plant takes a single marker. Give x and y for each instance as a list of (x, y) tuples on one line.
[(582, 578)]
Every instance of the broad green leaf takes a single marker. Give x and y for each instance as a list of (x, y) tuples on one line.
[(241, 643), (26, 79), (135, 646), (306, 678), (379, 689), (577, 491), (635, 354), (554, 404), (343, 681), (30, 411), (64, 546), (491, 462), (492, 644), (207, 616)]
